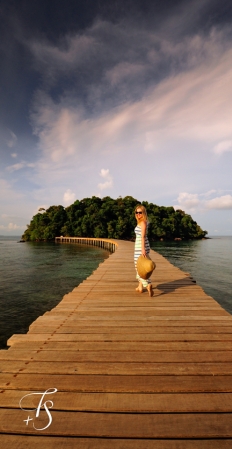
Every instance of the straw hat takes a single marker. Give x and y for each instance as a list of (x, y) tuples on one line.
[(145, 267)]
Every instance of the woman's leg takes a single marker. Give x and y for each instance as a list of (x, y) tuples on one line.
[(140, 286), (143, 283), (150, 289)]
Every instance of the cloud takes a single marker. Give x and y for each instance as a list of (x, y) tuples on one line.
[(11, 222), (188, 106), (222, 147), (209, 193), (11, 227), (221, 202), (11, 138), (8, 138), (187, 201), (118, 92), (7, 192), (132, 109), (40, 209), (69, 197), (108, 184), (192, 202), (135, 94), (15, 167), (14, 226), (122, 71), (109, 64), (62, 131), (19, 166)]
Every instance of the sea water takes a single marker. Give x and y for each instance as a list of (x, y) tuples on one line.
[(35, 276), (209, 261)]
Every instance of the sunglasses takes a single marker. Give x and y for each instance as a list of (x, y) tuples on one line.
[(138, 213)]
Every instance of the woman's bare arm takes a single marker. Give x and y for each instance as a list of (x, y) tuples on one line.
[(143, 226)]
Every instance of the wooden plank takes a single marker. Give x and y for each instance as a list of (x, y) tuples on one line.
[(99, 356), (57, 320), (148, 327), (118, 383), (117, 425), (36, 442), (116, 347), (130, 327), (128, 310), (33, 339), (185, 314), (130, 368), (124, 402)]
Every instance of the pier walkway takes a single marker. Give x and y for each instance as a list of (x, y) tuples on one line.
[(132, 372)]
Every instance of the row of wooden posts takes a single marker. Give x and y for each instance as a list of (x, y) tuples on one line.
[(107, 244)]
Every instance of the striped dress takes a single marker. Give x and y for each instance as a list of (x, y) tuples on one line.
[(138, 252)]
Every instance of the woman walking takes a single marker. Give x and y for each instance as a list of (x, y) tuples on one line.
[(142, 246)]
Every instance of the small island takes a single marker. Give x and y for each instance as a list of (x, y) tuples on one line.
[(110, 218)]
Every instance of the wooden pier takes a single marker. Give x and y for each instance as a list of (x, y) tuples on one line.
[(131, 372)]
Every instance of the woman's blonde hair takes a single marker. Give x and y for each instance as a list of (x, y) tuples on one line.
[(144, 213)]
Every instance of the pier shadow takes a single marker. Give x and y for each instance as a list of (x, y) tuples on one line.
[(169, 287)]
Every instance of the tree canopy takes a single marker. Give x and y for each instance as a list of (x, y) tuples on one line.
[(109, 218)]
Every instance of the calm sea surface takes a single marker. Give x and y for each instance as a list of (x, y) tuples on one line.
[(208, 261), (35, 276)]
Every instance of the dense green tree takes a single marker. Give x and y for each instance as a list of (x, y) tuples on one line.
[(106, 217), (46, 225)]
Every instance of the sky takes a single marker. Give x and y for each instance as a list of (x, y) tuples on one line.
[(116, 98)]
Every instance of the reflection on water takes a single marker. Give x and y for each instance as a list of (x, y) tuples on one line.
[(35, 277), (208, 261)]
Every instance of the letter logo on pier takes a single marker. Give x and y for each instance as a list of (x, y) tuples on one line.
[(42, 406)]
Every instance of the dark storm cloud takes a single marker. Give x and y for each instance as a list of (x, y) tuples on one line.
[(110, 64), (17, 80), (99, 54), (53, 19), (25, 22)]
